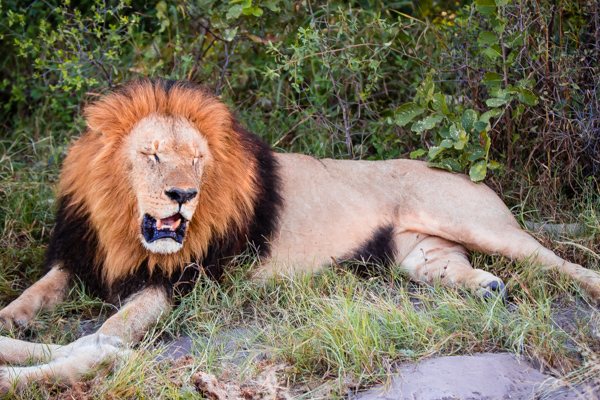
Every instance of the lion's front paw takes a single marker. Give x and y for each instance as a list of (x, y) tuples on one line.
[(590, 281), (10, 319), (15, 315), (592, 287)]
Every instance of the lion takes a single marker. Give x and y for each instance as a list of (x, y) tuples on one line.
[(165, 185)]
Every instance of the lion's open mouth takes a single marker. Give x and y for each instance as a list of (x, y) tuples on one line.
[(172, 227)]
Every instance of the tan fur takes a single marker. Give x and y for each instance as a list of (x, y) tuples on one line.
[(142, 142), (332, 207), (227, 191)]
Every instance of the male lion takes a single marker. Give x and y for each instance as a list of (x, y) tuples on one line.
[(165, 182)]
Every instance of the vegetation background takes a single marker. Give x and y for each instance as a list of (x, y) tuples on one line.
[(507, 91)]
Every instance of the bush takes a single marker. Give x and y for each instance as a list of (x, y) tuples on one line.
[(473, 85), (530, 65)]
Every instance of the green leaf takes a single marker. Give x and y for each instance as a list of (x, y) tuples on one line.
[(229, 34), (460, 144), (493, 113), (504, 93), (234, 11), (257, 11), (510, 59), (406, 112), (515, 40), (477, 171), (486, 7), (467, 120), (495, 102), (480, 126), (492, 78), (446, 143), (427, 123), (494, 165), (447, 164), (498, 24), (455, 132), (439, 104), (487, 38), (526, 96), (271, 5), (434, 152), (417, 153), (253, 10), (493, 51), (444, 133), (518, 111), (425, 91), (476, 154)]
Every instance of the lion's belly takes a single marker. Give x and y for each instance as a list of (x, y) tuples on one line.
[(331, 208)]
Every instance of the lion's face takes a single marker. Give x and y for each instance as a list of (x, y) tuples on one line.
[(167, 158)]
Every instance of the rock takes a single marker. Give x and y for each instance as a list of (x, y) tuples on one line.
[(482, 376)]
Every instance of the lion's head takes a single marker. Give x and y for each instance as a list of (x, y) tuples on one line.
[(160, 172), (167, 158)]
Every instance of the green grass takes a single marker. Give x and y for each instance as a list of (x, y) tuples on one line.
[(341, 331), (319, 335)]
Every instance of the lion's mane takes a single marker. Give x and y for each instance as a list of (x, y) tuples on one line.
[(97, 233)]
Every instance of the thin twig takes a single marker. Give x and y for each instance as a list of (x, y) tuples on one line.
[(227, 57)]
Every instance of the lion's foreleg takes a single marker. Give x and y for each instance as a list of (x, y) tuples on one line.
[(74, 361), (13, 351), (141, 311), (70, 363), (45, 294)]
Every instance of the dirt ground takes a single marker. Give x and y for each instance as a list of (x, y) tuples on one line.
[(480, 376)]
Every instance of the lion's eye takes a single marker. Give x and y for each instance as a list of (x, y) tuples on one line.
[(156, 158)]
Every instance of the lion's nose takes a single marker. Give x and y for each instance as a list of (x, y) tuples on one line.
[(181, 196)]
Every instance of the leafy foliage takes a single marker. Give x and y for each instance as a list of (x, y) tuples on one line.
[(345, 65), (471, 84), (461, 134)]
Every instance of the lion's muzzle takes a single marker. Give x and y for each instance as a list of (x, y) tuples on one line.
[(181, 196), (172, 227)]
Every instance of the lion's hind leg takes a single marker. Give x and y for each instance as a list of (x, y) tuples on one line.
[(516, 244), (438, 260)]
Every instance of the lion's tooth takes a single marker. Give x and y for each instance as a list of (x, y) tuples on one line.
[(176, 224), (159, 224)]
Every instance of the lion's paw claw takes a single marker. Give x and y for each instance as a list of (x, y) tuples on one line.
[(493, 289)]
